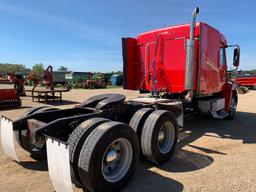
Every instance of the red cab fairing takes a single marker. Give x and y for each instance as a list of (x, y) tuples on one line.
[(131, 64)]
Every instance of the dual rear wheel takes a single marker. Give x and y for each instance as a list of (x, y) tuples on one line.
[(157, 132), (104, 154)]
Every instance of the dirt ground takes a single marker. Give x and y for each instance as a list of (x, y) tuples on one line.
[(212, 155)]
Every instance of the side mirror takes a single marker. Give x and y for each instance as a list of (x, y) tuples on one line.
[(236, 58)]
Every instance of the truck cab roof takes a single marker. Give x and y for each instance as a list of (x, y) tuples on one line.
[(179, 31)]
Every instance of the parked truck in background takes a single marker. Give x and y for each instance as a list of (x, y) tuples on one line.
[(96, 145), (59, 77), (248, 81), (77, 77)]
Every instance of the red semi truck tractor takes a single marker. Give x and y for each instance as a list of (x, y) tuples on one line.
[(96, 145)]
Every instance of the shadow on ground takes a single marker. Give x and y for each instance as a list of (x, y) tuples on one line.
[(242, 127), (147, 180), (34, 165), (183, 161)]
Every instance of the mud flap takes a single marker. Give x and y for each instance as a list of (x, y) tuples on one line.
[(58, 165), (7, 138)]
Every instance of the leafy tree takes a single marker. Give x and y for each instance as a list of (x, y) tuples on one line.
[(119, 72), (108, 75), (63, 68), (15, 68), (38, 69)]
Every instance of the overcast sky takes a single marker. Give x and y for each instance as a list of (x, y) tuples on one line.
[(86, 35)]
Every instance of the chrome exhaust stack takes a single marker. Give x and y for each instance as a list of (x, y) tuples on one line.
[(192, 24), (190, 55)]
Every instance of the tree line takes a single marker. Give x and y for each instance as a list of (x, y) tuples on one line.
[(248, 72), (13, 68), (38, 69)]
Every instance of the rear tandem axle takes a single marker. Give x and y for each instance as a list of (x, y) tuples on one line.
[(96, 145)]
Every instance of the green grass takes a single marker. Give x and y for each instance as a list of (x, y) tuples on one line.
[(108, 87), (113, 86)]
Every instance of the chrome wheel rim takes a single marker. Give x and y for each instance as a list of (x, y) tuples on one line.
[(117, 160), (166, 137)]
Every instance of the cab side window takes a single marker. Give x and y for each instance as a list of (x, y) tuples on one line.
[(222, 56)]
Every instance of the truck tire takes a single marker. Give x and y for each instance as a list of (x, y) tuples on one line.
[(109, 157), (75, 142), (233, 106), (138, 119), (159, 136), (24, 141)]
